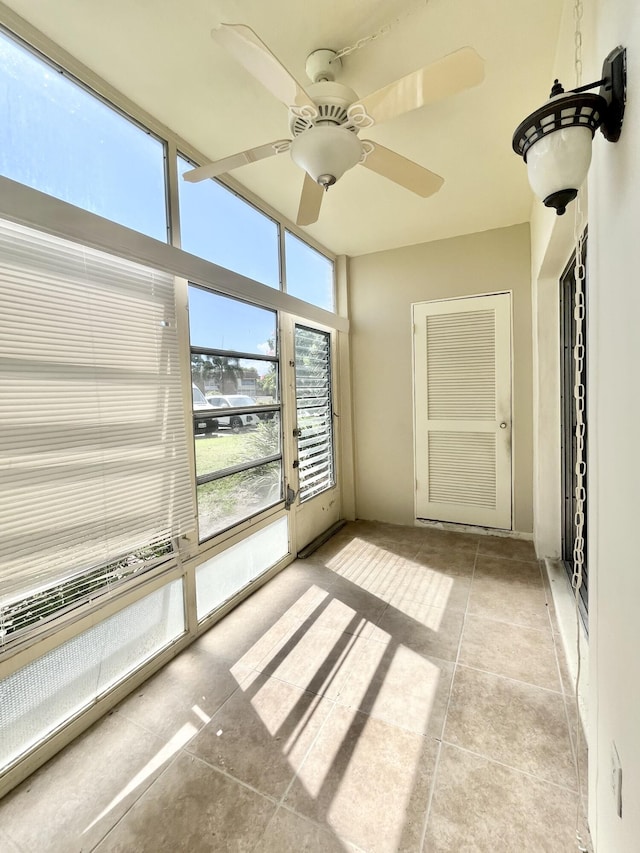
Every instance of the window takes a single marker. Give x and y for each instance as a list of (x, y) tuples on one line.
[(61, 139), (238, 443), (219, 226), (310, 275), (94, 472), (46, 693), (221, 577), (568, 425), (314, 411)]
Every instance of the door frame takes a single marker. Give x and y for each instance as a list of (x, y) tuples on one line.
[(417, 519)]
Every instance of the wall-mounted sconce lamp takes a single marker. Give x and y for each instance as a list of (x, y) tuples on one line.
[(555, 140)]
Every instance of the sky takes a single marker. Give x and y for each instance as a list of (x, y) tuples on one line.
[(58, 138)]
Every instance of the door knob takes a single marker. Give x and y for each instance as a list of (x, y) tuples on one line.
[(503, 425)]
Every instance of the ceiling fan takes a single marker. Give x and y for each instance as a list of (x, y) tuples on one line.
[(326, 117)]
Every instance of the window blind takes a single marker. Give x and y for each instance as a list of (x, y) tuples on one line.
[(314, 411), (93, 449)]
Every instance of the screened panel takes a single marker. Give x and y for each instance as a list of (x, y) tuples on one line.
[(236, 409), (228, 448), (93, 452), (239, 381), (61, 139), (218, 225), (230, 499), (314, 411)]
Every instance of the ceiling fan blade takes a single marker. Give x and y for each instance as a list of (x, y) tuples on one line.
[(236, 160), (255, 57), (457, 71), (310, 202), (401, 171)]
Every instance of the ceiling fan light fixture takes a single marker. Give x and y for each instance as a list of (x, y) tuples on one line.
[(326, 153)]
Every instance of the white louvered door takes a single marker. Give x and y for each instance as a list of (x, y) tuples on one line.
[(462, 373)]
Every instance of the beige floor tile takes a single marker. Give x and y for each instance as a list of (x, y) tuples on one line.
[(290, 833), (527, 654), (192, 808), (431, 588), (188, 691), (366, 563), (504, 546), (449, 539), (453, 562), (262, 734), (488, 808), (314, 658), (292, 593), (516, 724), (368, 781), (508, 591), (380, 580), (399, 686), (431, 631), (356, 602), (248, 633), (69, 804), (7, 845)]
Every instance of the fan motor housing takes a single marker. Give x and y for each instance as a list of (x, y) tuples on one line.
[(332, 101)]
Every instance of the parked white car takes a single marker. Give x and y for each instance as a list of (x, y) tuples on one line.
[(207, 425), (234, 401)]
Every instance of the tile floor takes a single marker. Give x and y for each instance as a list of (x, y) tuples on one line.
[(400, 690)]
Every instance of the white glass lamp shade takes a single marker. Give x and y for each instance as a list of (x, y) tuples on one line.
[(559, 161), (326, 152)]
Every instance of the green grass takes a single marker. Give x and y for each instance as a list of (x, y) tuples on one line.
[(220, 451), (226, 449)]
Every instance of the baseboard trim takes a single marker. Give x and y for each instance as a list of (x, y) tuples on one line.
[(469, 528)]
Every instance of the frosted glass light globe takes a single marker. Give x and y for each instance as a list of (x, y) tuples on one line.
[(326, 152), (559, 161)]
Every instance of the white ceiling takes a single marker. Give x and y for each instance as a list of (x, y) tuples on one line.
[(160, 54)]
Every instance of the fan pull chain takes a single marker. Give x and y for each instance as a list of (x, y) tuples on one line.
[(383, 31)]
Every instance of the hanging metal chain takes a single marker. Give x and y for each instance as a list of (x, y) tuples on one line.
[(579, 400), (579, 313), (383, 31)]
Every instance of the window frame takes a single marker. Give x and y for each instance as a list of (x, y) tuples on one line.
[(231, 411), (117, 104)]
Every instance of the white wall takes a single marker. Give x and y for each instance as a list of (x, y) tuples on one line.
[(614, 422), (614, 425), (382, 288)]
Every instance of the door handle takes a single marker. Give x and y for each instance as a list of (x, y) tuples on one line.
[(503, 425)]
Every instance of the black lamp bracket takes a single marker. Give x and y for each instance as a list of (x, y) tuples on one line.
[(613, 88)]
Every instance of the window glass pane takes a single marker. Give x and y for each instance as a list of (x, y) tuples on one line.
[(233, 382), (227, 448), (223, 503), (44, 694), (219, 322), (59, 138), (219, 226), (220, 578), (309, 274)]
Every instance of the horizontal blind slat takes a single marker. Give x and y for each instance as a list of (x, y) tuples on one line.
[(93, 450)]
